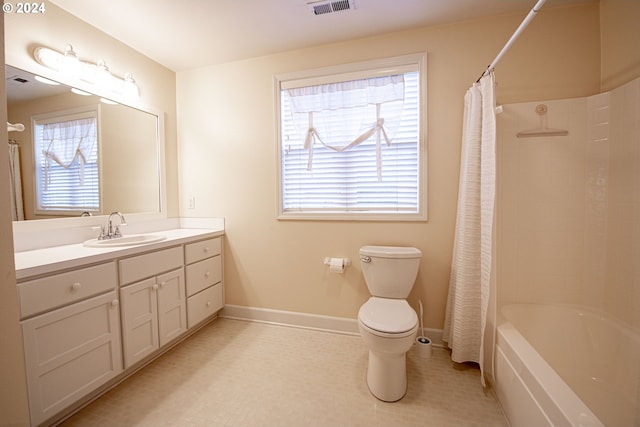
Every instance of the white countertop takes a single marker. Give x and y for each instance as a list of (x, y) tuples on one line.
[(48, 260)]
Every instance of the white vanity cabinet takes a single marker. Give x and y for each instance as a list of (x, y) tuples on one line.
[(73, 346), (154, 308), (205, 293), (90, 317)]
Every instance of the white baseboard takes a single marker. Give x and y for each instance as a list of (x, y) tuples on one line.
[(340, 325), (316, 322)]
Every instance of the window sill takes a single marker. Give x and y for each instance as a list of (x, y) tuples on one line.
[(336, 216)]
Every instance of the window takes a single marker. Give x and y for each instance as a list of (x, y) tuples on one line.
[(350, 142), (66, 160)]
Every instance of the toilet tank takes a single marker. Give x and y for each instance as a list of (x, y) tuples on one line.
[(390, 271)]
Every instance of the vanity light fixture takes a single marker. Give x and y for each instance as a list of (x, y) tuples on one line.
[(98, 75)]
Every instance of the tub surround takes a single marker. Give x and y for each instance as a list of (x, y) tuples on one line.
[(568, 254)]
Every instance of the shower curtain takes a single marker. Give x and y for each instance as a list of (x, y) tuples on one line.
[(15, 181), (471, 277)]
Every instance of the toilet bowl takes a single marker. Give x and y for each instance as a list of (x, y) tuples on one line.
[(388, 340), (387, 323)]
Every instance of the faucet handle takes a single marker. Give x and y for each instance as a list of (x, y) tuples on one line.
[(103, 231), (117, 232)]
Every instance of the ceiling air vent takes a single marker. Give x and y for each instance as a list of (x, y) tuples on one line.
[(324, 7), (16, 80)]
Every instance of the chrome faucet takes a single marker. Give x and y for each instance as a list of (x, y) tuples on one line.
[(108, 231)]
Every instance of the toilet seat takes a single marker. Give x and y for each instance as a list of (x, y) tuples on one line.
[(388, 317)]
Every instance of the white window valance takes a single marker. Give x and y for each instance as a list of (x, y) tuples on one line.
[(342, 115), (69, 143)]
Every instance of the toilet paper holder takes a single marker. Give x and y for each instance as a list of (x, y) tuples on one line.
[(346, 262)]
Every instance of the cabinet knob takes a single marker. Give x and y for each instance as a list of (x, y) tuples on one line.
[(115, 303), (207, 274), (154, 287), (207, 249), (76, 286), (162, 284), (208, 303)]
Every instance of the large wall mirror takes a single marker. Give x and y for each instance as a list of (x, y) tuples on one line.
[(128, 148)]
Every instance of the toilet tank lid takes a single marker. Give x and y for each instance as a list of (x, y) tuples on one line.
[(390, 251)]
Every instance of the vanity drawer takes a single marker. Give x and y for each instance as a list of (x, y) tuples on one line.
[(204, 304), (40, 295), (151, 264), (200, 250), (203, 274)]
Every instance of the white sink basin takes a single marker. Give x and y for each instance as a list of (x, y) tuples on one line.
[(131, 240)]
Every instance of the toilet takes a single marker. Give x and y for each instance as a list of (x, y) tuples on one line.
[(387, 323)]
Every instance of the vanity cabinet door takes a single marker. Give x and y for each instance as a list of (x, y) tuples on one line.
[(172, 306), (70, 352), (139, 320), (153, 314)]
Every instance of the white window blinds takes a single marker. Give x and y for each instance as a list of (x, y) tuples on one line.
[(351, 147), (67, 178), (343, 112)]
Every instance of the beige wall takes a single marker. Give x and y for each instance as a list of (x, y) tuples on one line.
[(13, 392), (56, 28), (228, 153), (620, 35)]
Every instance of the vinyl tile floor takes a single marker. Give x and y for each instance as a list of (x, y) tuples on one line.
[(245, 374)]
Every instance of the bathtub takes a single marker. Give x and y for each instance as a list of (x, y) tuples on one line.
[(566, 366)]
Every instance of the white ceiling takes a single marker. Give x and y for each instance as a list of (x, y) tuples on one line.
[(185, 34)]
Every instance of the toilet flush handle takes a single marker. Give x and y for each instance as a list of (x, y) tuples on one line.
[(365, 258)]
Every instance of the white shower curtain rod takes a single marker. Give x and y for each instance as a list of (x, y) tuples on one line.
[(523, 25)]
